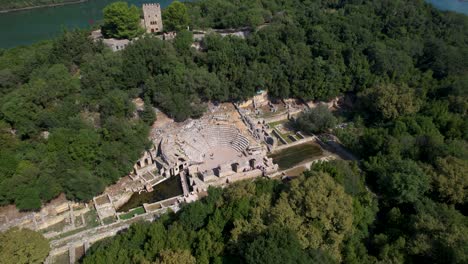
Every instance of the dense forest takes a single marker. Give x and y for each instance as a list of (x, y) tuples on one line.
[(65, 124), (68, 125), (258, 222), (403, 63)]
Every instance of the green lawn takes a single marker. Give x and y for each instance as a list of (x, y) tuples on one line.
[(91, 219), (137, 211), (273, 124), (58, 227), (292, 156), (109, 220)]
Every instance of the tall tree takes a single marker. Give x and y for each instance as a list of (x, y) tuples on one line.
[(318, 210), (121, 21), (22, 246), (176, 257), (148, 115), (176, 17), (276, 246), (390, 101), (451, 180), (399, 179), (317, 120)]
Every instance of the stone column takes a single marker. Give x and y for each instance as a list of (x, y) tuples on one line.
[(72, 215), (71, 254)]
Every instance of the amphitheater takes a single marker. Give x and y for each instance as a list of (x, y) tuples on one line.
[(215, 149), (205, 145)]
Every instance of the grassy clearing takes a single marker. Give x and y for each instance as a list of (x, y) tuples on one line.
[(58, 227), (132, 213), (109, 220), (91, 219), (274, 124), (292, 156), (61, 259)]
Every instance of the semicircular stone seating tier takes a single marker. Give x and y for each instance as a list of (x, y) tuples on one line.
[(197, 142)]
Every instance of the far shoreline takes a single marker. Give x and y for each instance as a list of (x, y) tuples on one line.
[(41, 6)]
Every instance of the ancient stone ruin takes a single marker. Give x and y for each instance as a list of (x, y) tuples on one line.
[(214, 150), (152, 20)]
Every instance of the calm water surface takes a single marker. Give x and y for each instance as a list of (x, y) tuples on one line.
[(29, 26), (460, 6), (169, 188)]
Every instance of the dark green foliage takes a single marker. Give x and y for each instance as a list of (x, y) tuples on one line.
[(316, 120), (100, 74), (175, 17), (121, 21), (236, 225), (148, 115), (403, 61), (148, 57), (116, 104), (71, 46), (390, 102), (23, 246), (439, 233), (401, 180), (183, 41), (60, 133), (227, 14), (276, 246), (410, 132)]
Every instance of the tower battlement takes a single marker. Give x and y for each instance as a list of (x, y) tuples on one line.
[(152, 4), (152, 18)]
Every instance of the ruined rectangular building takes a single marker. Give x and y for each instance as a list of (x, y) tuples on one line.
[(152, 19)]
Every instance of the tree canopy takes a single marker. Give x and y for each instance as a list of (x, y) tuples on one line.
[(317, 120), (121, 21), (250, 222), (68, 124), (176, 17), (65, 131), (23, 246)]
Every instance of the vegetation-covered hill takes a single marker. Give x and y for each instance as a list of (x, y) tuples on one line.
[(312, 218), (406, 65), (60, 132), (67, 124)]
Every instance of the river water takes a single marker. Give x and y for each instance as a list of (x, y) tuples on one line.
[(29, 26), (460, 6), (167, 189)]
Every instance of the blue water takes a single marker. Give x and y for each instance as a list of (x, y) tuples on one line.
[(460, 6), (29, 26)]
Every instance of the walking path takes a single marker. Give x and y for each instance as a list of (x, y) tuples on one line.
[(90, 236)]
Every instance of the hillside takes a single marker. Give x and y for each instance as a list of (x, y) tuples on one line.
[(67, 124)]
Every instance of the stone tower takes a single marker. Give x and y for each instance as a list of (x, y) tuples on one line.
[(152, 17)]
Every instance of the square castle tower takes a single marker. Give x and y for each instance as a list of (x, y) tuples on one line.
[(152, 19)]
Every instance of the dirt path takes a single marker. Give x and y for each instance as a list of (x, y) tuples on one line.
[(90, 236)]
